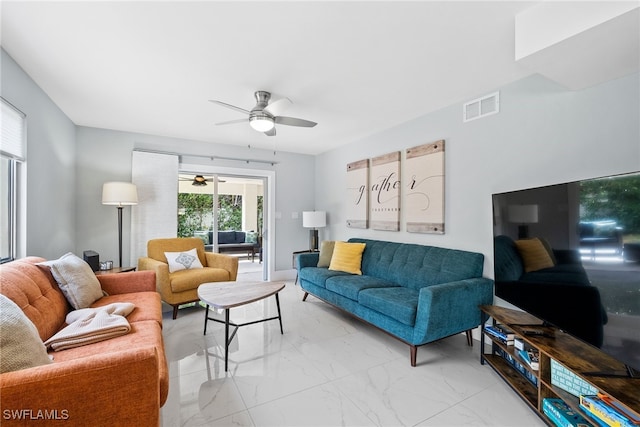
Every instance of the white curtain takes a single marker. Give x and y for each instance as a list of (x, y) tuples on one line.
[(156, 214)]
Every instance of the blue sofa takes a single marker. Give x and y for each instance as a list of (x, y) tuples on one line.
[(418, 294), (234, 241)]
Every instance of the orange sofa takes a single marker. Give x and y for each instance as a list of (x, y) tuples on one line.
[(120, 381)]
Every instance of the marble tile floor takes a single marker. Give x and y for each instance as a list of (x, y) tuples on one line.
[(327, 369)]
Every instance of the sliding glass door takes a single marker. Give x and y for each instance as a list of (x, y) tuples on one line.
[(227, 212)]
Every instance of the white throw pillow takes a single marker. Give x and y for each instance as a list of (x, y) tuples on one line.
[(76, 279), (20, 343), (187, 260)]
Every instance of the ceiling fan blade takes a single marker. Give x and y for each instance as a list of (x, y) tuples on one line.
[(230, 122), (277, 107), (292, 121), (233, 107), (271, 132)]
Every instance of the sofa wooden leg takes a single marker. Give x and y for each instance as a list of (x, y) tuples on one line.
[(414, 353), (175, 311), (304, 297), (469, 338)]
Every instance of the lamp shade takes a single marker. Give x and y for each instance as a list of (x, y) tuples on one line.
[(523, 214), (314, 219), (119, 193)]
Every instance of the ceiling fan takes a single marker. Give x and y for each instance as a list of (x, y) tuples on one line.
[(264, 116), (200, 180)]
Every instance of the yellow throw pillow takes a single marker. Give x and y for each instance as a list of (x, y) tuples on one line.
[(326, 253), (534, 255), (347, 257)]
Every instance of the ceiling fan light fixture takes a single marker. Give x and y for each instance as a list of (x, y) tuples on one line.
[(199, 180), (261, 122)]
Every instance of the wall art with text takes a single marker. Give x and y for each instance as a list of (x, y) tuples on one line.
[(424, 189), (384, 205), (357, 194)]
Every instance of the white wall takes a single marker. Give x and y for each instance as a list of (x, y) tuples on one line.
[(543, 135), (51, 161)]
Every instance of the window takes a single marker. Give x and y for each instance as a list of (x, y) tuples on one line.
[(12, 147)]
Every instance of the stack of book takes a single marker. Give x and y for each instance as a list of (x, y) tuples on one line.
[(501, 333), (561, 414), (608, 412), (518, 366), (531, 357)]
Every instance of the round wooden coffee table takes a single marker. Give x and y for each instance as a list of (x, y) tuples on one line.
[(226, 295)]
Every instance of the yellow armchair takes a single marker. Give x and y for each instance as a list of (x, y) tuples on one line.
[(181, 287)]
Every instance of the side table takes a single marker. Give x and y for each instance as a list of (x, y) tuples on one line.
[(115, 270)]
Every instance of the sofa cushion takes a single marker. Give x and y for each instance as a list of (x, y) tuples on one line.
[(34, 290), (318, 276), (416, 266), (563, 273), (351, 285), (185, 280), (225, 237), (20, 343), (534, 255), (326, 252), (185, 260), (76, 280), (142, 335), (347, 257), (399, 303)]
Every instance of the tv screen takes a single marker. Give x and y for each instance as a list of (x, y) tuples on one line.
[(570, 254)]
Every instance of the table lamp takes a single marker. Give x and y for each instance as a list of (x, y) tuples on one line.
[(523, 215), (119, 194), (314, 220)]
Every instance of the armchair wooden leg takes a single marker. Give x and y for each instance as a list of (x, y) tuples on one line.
[(469, 338), (414, 353), (304, 297), (175, 311)]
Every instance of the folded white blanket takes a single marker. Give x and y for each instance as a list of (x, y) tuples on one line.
[(92, 325), (119, 308)]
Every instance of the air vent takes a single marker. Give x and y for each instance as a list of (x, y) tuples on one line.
[(481, 107)]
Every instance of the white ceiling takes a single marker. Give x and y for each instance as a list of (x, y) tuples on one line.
[(356, 68)]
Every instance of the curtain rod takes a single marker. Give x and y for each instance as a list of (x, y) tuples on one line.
[(212, 158)]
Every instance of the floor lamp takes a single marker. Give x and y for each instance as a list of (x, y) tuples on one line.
[(314, 220), (119, 194)]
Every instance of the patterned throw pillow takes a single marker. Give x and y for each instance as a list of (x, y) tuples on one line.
[(187, 260), (347, 257)]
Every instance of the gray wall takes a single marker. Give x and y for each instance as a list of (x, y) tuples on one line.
[(51, 165), (543, 135), (105, 155)]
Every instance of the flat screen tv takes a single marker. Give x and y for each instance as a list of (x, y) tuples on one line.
[(591, 231)]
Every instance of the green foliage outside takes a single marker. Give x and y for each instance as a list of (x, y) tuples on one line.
[(616, 199), (196, 213)]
